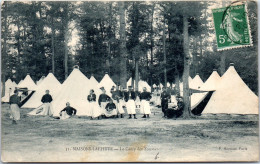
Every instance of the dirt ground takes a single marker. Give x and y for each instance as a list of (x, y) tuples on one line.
[(206, 138)]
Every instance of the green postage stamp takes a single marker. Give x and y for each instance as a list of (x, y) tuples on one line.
[(232, 27)]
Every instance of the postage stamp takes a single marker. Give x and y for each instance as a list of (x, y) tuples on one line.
[(232, 27)]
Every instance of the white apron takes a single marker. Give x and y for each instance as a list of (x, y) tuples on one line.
[(130, 106), (145, 107), (95, 110), (103, 107), (15, 112)]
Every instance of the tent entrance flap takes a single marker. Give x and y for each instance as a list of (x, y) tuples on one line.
[(198, 109)]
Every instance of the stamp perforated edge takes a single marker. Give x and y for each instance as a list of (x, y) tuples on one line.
[(237, 46)]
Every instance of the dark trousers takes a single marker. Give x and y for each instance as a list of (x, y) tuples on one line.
[(164, 105)]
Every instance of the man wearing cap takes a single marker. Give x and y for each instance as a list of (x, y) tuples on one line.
[(15, 110), (170, 113), (46, 107), (68, 111), (118, 101), (165, 97), (145, 103), (103, 100), (130, 104)]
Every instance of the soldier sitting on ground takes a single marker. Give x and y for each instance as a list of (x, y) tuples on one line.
[(176, 111)]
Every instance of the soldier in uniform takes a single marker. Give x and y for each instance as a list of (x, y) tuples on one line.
[(171, 113), (145, 103), (15, 110), (67, 112), (117, 97), (103, 100), (46, 107), (95, 110), (165, 97), (130, 104)]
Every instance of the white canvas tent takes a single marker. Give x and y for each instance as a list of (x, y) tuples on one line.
[(93, 80), (196, 82), (9, 90), (107, 83), (210, 85), (74, 90), (40, 80), (93, 84), (232, 96), (212, 82), (49, 83), (141, 85), (181, 85), (20, 83), (27, 83)]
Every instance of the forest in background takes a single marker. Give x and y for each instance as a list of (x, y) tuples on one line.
[(147, 40)]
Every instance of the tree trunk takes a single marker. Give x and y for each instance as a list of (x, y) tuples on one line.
[(222, 62), (151, 48), (177, 81), (164, 55), (133, 74), (52, 46), (18, 39), (123, 50), (3, 51), (186, 91), (66, 51), (136, 75)]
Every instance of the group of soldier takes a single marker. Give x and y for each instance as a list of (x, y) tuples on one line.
[(121, 102)]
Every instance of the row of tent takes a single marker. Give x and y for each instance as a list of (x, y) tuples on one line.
[(226, 94)]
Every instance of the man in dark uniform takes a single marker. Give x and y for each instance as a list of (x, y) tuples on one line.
[(15, 110), (102, 100), (47, 97), (46, 107), (117, 97), (145, 103), (175, 113), (69, 110), (165, 97), (130, 105)]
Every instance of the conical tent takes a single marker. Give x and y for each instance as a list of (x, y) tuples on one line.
[(40, 80), (129, 82), (9, 90), (212, 82), (14, 83), (107, 83), (49, 83), (20, 83), (93, 84), (181, 85), (196, 82), (209, 85), (93, 80), (74, 90), (232, 96), (141, 85), (27, 83)]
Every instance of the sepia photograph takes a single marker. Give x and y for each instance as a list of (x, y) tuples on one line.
[(129, 81)]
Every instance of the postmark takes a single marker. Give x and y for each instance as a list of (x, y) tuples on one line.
[(232, 27)]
